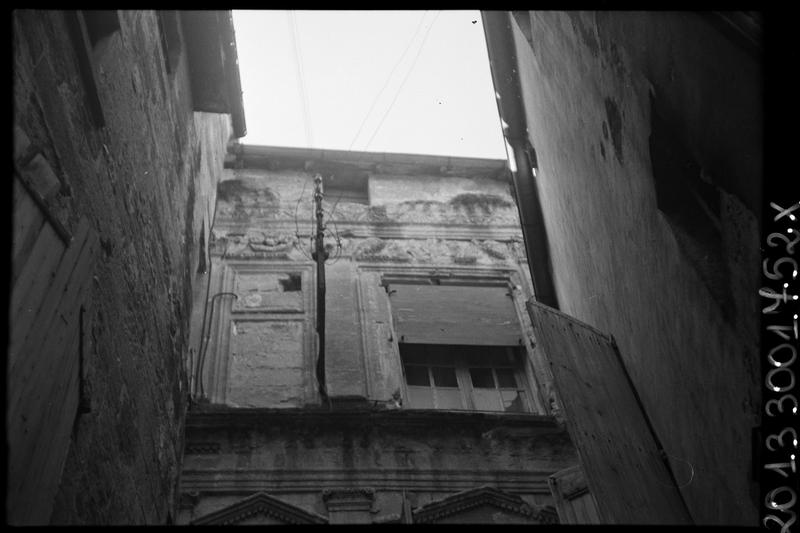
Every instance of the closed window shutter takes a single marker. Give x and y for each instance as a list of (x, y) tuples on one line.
[(452, 314)]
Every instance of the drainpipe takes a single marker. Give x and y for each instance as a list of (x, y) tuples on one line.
[(505, 75)]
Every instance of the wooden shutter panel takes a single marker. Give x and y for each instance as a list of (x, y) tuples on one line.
[(619, 454), (448, 314)]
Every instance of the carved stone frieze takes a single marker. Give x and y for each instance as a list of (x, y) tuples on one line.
[(280, 246)]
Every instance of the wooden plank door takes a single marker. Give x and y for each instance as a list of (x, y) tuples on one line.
[(50, 286)]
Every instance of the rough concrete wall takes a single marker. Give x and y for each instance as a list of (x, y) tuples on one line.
[(588, 80), (135, 179)]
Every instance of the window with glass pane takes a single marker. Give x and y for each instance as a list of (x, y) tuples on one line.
[(479, 378)]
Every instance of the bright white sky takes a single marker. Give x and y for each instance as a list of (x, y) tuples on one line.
[(438, 100)]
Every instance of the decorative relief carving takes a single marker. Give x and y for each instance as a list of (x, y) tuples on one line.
[(249, 199), (426, 251), (253, 243), (279, 246)]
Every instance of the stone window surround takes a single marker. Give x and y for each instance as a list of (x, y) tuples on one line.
[(520, 293), (216, 370), (217, 364)]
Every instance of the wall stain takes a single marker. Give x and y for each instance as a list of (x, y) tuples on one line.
[(615, 125), (588, 37)]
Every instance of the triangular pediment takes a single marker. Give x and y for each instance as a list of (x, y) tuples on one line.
[(484, 504), (260, 505)]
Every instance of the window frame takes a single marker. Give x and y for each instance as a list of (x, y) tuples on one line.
[(462, 364), (380, 338)]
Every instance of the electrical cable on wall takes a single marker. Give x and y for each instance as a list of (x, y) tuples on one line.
[(320, 254), (197, 372), (296, 225), (385, 115)]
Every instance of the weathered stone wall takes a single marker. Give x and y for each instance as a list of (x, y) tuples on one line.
[(262, 349), (145, 181), (593, 87), (297, 456), (413, 220)]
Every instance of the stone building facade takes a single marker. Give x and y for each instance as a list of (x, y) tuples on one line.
[(436, 405), (121, 120)]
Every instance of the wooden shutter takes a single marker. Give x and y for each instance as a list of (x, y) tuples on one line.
[(618, 450), (453, 314)]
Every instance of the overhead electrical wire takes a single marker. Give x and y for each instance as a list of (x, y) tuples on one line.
[(298, 55), (386, 83), (405, 79), (306, 118), (388, 79)]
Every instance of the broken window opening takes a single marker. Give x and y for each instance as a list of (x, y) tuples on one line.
[(290, 283)]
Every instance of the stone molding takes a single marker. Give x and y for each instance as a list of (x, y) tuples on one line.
[(464, 501), (231, 481), (202, 448), (348, 499), (386, 230), (222, 417), (264, 504)]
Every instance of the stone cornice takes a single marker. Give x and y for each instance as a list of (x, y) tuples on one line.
[(220, 416), (310, 159), (276, 481)]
